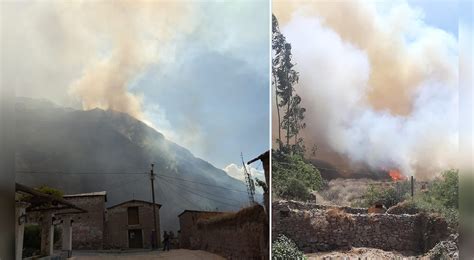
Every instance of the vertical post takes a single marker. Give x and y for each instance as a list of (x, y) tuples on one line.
[(154, 233), (412, 186), (47, 234), (67, 236), (20, 219)]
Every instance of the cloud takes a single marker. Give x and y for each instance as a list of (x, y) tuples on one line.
[(237, 172)]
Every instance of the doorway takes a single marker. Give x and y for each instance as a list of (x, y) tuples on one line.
[(135, 238)]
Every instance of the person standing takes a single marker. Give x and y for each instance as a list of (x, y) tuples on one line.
[(166, 241)]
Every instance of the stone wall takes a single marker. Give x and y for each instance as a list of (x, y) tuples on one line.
[(240, 235), (325, 228), (88, 228)]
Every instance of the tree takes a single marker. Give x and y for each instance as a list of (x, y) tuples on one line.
[(283, 80)]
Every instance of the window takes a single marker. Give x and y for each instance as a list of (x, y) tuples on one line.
[(133, 216)]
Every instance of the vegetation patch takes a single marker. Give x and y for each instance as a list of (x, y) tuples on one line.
[(440, 196), (293, 177), (285, 248)]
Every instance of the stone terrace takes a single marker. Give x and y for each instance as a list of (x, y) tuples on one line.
[(321, 228)]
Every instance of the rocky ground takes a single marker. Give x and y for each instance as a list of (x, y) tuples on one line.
[(359, 253), (446, 249)]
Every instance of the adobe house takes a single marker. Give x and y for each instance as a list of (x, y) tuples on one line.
[(130, 225), (187, 223), (88, 227)]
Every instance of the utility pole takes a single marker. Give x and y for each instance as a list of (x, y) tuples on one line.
[(154, 234)]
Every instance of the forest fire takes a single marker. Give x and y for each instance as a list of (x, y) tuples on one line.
[(396, 175)]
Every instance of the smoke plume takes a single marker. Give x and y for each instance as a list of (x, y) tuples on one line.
[(380, 87), (137, 33), (90, 53)]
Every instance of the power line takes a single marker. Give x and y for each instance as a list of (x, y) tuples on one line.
[(121, 184), (190, 203), (126, 173), (200, 195), (136, 173), (207, 184), (203, 192)]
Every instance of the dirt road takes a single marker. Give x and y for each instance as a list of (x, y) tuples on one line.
[(178, 254)]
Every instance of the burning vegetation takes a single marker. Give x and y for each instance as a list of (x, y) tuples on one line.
[(396, 175)]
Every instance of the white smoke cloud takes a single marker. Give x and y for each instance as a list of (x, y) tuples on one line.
[(237, 172), (390, 100)]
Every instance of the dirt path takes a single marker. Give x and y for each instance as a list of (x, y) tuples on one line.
[(178, 254)]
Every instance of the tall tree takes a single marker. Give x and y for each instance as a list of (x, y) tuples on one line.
[(284, 78)]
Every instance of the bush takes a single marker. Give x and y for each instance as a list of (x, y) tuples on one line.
[(387, 196), (294, 189), (293, 177), (50, 191), (442, 197), (285, 248)]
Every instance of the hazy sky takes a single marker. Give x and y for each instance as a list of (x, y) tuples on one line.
[(197, 71), (213, 98)]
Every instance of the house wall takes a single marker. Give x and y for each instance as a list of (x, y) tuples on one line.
[(88, 228), (116, 226)]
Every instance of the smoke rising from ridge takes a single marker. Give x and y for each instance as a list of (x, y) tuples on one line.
[(139, 32), (379, 88), (89, 54)]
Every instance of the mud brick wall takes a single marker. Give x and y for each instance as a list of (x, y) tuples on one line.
[(117, 226), (323, 229), (88, 228), (188, 226), (241, 235)]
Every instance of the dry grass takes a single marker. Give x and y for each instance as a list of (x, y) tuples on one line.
[(254, 213), (338, 215)]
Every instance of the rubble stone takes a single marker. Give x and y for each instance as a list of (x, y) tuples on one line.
[(338, 228)]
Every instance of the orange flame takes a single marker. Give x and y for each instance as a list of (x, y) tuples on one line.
[(396, 175)]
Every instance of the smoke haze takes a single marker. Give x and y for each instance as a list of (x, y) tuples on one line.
[(380, 86), (86, 54)]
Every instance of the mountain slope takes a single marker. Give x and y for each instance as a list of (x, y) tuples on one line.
[(77, 151)]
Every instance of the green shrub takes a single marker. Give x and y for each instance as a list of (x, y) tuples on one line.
[(387, 196), (285, 248), (293, 177), (50, 191), (442, 197), (294, 189)]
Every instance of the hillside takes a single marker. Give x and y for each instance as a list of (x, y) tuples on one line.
[(72, 149)]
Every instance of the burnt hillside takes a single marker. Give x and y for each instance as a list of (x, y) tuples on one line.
[(52, 142)]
